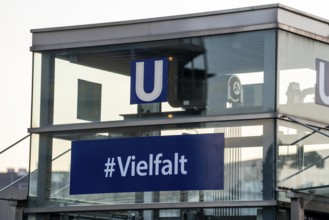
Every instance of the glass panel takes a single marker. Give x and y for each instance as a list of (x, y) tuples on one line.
[(211, 75), (303, 158), (34, 158), (36, 90), (297, 76), (246, 150)]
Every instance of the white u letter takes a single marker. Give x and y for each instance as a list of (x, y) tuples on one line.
[(322, 93), (158, 73)]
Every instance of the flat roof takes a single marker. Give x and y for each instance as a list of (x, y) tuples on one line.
[(188, 25)]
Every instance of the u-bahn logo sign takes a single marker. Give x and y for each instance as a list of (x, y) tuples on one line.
[(322, 82), (149, 81)]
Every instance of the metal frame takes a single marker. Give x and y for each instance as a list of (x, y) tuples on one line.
[(150, 122), (301, 202), (226, 21), (151, 206), (218, 22)]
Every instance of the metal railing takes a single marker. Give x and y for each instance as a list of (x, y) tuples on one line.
[(16, 187)]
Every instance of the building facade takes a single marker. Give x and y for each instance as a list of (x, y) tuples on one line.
[(257, 75)]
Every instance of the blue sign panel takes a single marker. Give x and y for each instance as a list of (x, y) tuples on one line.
[(149, 81), (159, 163)]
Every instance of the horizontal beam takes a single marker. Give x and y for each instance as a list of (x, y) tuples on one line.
[(148, 122), (151, 206)]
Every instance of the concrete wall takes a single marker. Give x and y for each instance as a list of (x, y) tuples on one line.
[(9, 212)]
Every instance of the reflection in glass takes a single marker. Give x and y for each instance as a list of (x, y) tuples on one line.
[(303, 158), (297, 57), (89, 100)]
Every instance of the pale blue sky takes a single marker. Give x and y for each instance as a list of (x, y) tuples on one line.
[(18, 17)]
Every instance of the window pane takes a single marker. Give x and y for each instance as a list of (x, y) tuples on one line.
[(303, 158), (297, 76), (210, 75)]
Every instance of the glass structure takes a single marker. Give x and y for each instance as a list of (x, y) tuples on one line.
[(200, 69), (253, 80)]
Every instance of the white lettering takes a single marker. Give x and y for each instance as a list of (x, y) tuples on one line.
[(151, 164), (182, 162), (176, 163), (141, 168), (322, 93), (157, 89), (157, 162), (165, 167), (124, 170), (133, 166)]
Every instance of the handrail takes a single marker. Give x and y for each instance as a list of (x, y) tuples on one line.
[(318, 130), (11, 184), (293, 119), (6, 149), (26, 175), (302, 170), (20, 140)]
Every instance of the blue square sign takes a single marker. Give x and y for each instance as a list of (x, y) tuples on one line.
[(149, 81)]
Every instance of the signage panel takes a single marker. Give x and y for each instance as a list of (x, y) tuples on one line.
[(322, 82), (149, 81), (159, 163)]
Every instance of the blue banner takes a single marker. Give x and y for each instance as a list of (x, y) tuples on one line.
[(159, 163)]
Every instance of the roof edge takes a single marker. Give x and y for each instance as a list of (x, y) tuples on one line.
[(162, 18)]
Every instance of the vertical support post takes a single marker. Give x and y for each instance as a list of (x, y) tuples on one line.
[(47, 89), (296, 209), (18, 213), (298, 201), (44, 170), (269, 167), (270, 71), (269, 134), (45, 141)]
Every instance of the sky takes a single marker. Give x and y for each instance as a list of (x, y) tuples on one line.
[(18, 17)]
